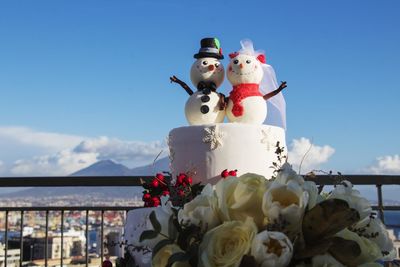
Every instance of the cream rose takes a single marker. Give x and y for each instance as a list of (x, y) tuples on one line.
[(225, 245), (202, 210), (353, 197), (239, 198), (272, 249), (369, 250), (162, 256), (286, 202)]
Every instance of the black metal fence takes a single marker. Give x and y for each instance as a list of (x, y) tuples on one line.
[(321, 180)]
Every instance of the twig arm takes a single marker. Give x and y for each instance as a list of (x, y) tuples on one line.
[(174, 79), (275, 92)]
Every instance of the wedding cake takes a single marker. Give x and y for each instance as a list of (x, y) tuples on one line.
[(208, 145)]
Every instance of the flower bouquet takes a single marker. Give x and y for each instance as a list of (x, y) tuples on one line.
[(251, 221)]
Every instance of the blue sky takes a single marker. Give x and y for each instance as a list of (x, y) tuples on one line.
[(74, 71)]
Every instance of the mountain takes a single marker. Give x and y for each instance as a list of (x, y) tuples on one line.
[(104, 168), (110, 168), (100, 168)]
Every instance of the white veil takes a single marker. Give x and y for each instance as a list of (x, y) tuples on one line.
[(276, 105)]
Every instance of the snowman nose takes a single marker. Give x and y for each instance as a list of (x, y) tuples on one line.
[(241, 65), (211, 67)]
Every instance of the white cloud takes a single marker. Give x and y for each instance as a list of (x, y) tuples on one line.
[(309, 156), (53, 154), (386, 165), (62, 163), (121, 150), (29, 137), (2, 167)]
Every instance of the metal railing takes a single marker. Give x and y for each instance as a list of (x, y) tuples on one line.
[(97, 181)]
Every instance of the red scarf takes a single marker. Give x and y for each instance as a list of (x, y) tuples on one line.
[(239, 93)]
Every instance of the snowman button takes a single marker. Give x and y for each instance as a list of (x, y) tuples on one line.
[(205, 98), (204, 109)]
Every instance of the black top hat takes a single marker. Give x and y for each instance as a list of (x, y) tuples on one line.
[(210, 47)]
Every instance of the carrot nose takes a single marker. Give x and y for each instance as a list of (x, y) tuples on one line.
[(211, 67), (241, 65)]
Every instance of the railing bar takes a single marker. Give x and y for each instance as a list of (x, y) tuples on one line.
[(21, 240), (380, 202), (77, 208), (62, 238), (87, 238), (46, 243), (102, 237), (6, 240)]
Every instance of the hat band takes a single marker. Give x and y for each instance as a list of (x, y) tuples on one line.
[(209, 50)]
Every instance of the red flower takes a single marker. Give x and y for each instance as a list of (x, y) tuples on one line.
[(155, 183), (180, 178), (160, 177), (155, 202), (233, 173), (189, 180), (146, 197), (224, 173)]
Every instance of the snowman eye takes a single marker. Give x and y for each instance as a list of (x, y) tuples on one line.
[(235, 61), (204, 62), (216, 65), (248, 61)]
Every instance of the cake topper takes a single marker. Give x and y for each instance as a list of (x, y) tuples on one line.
[(254, 82), (205, 106)]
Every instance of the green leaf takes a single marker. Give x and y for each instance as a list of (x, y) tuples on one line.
[(149, 234), (345, 251), (154, 222), (326, 219), (160, 245), (179, 256)]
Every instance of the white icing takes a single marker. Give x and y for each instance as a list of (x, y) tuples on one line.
[(242, 147), (194, 115)]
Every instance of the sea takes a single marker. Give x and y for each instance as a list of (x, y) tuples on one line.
[(392, 221)]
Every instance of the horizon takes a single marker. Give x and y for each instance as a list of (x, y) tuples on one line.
[(83, 82)]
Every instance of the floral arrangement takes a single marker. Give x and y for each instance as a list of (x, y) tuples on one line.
[(251, 221)]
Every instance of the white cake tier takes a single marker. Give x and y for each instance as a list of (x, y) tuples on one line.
[(207, 150)]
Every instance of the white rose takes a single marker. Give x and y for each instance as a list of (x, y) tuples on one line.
[(202, 210), (369, 250), (162, 256), (239, 198), (287, 174), (272, 249), (372, 226), (226, 244), (353, 197), (325, 260), (286, 202)]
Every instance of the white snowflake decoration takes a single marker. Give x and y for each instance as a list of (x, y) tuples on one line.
[(268, 139), (213, 137)]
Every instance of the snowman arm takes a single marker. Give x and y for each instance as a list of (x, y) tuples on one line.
[(182, 84), (275, 92)]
